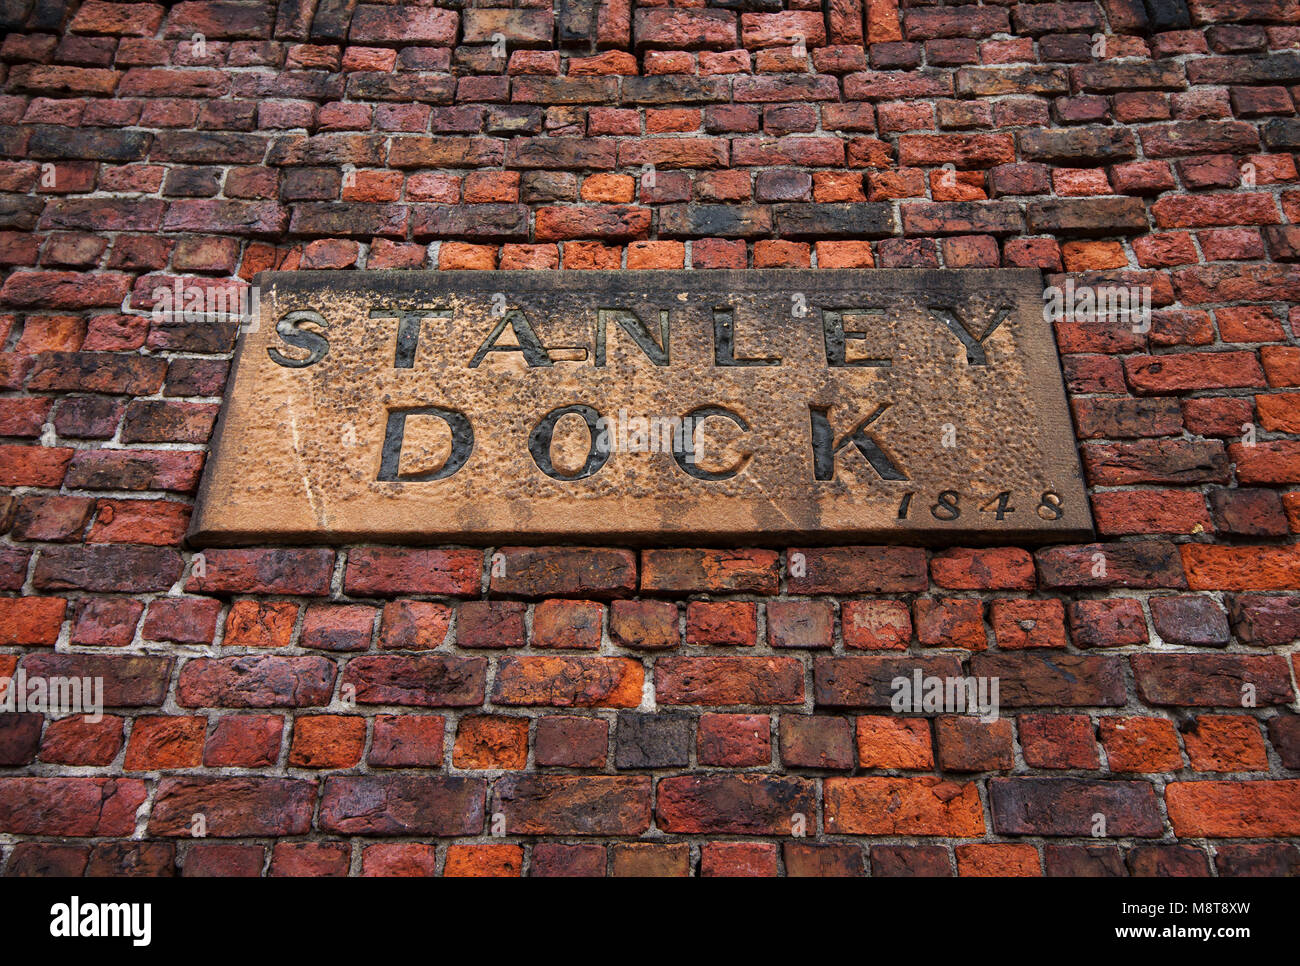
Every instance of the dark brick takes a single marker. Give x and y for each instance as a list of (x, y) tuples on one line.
[(389, 805), (822, 860), (573, 805), (571, 742), (1141, 564), (107, 568), (835, 220), (1212, 680), (1265, 859), (910, 861), (1031, 679), (1166, 861), (564, 572), (652, 740), (867, 681), (1189, 620), (857, 570), (1263, 620), (490, 624), (421, 680), (816, 741), (1066, 806), (1090, 861), (748, 804), (255, 681)]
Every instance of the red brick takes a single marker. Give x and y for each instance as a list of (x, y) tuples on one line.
[(571, 741), (552, 859), (902, 806), (856, 570), (1241, 568), (709, 571), (244, 740), (724, 623), (967, 744), (1228, 743), (105, 621), (734, 740), (492, 860), (738, 859), (1193, 370), (70, 807), (1231, 809), (225, 860), (1140, 744), (305, 572), (568, 682), (997, 859), (490, 624), (182, 620), (1057, 741), (76, 741), (722, 681), (950, 622), (327, 741), (650, 860), (337, 627), (33, 465), (165, 742), (567, 624), (407, 741), (391, 571), (876, 624), (1028, 623), (414, 625), (893, 742), (253, 623), (158, 523), (491, 742), (1107, 623), (31, 621), (399, 860), (644, 624), (563, 572)]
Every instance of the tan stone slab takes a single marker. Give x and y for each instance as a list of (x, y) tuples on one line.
[(949, 379)]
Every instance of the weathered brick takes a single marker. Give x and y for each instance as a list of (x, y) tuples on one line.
[(816, 741), (233, 807), (568, 682), (387, 805), (673, 571), (867, 681), (902, 806), (387, 571), (722, 681), (652, 740), (1230, 809), (1212, 680), (76, 807), (255, 681), (746, 804), (856, 570), (1066, 806), (1032, 678), (573, 805), (564, 572)]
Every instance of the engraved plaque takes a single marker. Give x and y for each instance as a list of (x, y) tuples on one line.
[(655, 406)]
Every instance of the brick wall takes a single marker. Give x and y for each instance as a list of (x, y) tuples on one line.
[(672, 710)]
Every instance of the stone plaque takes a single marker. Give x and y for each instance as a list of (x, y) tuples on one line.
[(695, 406)]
